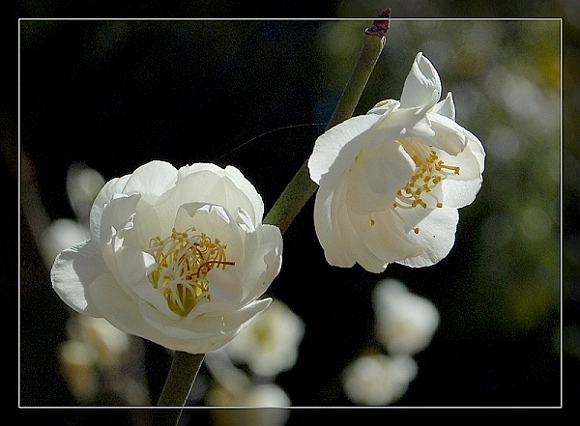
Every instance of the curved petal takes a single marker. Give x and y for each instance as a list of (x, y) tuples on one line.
[(449, 136), (436, 236), (461, 190), (133, 268), (104, 197), (237, 191), (263, 262), (116, 217), (387, 238), (330, 236), (215, 222), (384, 107), (379, 171), (422, 86), (72, 273), (244, 186), (460, 193), (207, 333), (337, 147), (151, 180), (446, 107)]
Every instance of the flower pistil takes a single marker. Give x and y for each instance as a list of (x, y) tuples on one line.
[(183, 261)]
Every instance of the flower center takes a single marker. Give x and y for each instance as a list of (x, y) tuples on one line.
[(183, 262), (430, 171)]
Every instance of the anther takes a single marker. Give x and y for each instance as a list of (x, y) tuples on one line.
[(182, 264), (430, 169)]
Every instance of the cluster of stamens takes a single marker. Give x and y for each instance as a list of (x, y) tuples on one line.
[(183, 262), (430, 171)]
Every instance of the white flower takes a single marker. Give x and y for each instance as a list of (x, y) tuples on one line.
[(391, 181), (57, 236), (270, 345), (404, 322), (179, 257), (265, 405), (378, 379), (110, 344), (78, 366)]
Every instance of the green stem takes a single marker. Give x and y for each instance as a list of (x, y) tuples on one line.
[(185, 366), (177, 387), (301, 187)]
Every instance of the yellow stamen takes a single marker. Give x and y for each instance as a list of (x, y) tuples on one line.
[(429, 169), (183, 262)]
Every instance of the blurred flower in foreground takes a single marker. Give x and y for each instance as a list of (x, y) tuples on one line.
[(94, 361), (270, 345), (82, 186), (59, 235), (179, 257), (405, 322), (78, 366), (391, 181), (378, 379), (265, 406)]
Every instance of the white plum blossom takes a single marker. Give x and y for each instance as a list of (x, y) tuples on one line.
[(263, 405), (404, 322), (178, 257), (270, 345), (391, 181), (378, 379)]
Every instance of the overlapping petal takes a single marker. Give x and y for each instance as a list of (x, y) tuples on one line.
[(179, 257), (391, 181)]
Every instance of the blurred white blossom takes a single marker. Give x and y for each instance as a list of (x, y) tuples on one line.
[(378, 379), (78, 367), (60, 234), (82, 186), (94, 360), (270, 345), (266, 406), (405, 322), (108, 343)]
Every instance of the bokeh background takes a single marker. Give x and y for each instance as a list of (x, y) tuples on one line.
[(114, 94)]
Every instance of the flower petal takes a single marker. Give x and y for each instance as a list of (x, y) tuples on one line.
[(449, 136), (436, 236), (73, 271), (151, 180), (379, 171), (207, 333), (267, 262), (330, 235), (104, 197), (387, 238), (422, 86), (335, 150), (231, 188), (446, 107), (133, 268)]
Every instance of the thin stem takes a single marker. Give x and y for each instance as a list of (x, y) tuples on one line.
[(177, 387), (185, 366), (301, 187)]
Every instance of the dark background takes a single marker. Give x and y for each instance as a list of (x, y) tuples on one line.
[(115, 94)]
